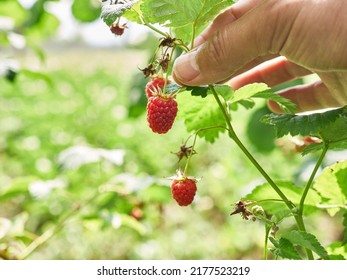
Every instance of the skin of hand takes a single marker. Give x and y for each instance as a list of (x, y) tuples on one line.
[(274, 41)]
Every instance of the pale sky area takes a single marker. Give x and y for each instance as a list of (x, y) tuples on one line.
[(95, 34)]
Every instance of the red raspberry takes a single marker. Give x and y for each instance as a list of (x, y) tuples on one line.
[(161, 113), (183, 191), (154, 85)]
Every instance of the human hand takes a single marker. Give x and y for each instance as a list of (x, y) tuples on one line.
[(273, 42)]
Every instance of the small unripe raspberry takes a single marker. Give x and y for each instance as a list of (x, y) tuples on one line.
[(258, 211), (161, 113)]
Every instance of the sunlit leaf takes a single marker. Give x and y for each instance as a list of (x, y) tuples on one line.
[(134, 14), (266, 196), (43, 29), (255, 127), (190, 16), (305, 240), (332, 186), (310, 124), (337, 251), (284, 249), (261, 90), (345, 229), (200, 113)]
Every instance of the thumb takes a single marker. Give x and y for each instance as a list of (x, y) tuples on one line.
[(231, 47)]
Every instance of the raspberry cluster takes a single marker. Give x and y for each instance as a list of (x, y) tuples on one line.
[(161, 113)]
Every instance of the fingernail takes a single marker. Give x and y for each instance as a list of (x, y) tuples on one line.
[(185, 67)]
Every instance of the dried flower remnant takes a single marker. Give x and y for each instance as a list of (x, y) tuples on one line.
[(241, 207)]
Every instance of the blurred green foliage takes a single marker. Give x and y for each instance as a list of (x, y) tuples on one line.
[(118, 210), (83, 177)]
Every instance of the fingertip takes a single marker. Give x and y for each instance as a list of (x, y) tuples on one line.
[(274, 107), (185, 69)]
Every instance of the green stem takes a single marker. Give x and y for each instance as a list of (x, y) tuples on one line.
[(266, 241), (300, 222), (238, 142), (309, 182), (269, 199), (183, 47), (304, 195), (150, 26), (193, 37), (153, 28), (233, 136), (190, 156), (167, 72)]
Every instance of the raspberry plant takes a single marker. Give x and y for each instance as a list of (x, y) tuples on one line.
[(208, 111)]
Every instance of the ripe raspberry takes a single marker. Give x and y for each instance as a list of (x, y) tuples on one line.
[(154, 85), (161, 113), (183, 191)]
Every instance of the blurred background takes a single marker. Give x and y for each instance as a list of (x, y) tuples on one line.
[(81, 174)]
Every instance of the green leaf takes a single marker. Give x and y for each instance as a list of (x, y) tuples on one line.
[(45, 27), (198, 91), (337, 257), (184, 32), (285, 104), (249, 91), (134, 14), (292, 192), (255, 127), (246, 103), (337, 251), (312, 124), (86, 11), (201, 113), (261, 90), (279, 216), (13, 10), (344, 229), (306, 240), (37, 76), (331, 185), (109, 13), (335, 134), (284, 249), (182, 14), (312, 148), (36, 12), (225, 91)]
